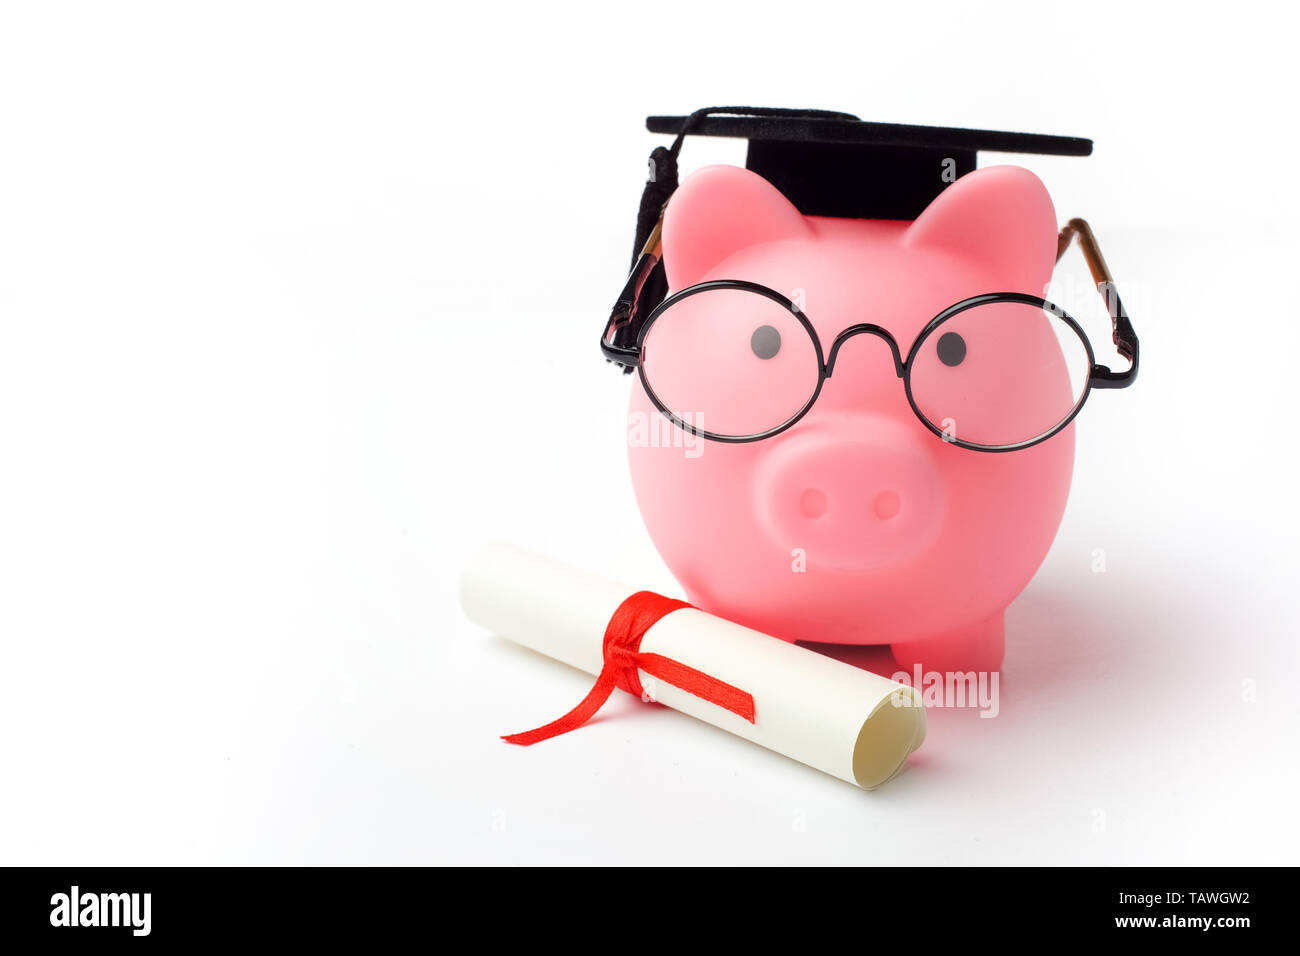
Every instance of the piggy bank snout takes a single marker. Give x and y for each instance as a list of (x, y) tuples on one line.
[(853, 494)]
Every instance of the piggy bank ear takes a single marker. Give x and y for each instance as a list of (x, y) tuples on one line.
[(720, 210), (1000, 217)]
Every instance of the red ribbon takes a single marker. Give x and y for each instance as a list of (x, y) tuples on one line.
[(623, 657)]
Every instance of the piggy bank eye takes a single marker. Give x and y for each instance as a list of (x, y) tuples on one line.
[(951, 349), (766, 341)]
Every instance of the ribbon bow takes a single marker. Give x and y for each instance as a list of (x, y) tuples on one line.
[(623, 658)]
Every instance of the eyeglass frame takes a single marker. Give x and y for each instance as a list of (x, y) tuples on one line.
[(642, 277)]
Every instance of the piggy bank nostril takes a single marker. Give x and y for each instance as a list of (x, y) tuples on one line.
[(886, 505), (813, 503)]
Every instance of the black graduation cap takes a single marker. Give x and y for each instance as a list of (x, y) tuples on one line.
[(834, 164), (825, 163)]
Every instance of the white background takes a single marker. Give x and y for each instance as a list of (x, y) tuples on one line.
[(299, 304)]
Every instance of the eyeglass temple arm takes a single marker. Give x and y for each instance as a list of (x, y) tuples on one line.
[(617, 341), (1126, 341)]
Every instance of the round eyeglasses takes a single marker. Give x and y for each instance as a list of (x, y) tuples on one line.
[(735, 361)]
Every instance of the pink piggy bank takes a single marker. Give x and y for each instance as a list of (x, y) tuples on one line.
[(867, 520)]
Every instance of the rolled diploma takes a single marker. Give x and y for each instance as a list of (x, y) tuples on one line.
[(844, 721)]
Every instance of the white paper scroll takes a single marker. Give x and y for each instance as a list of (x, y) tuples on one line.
[(842, 720)]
